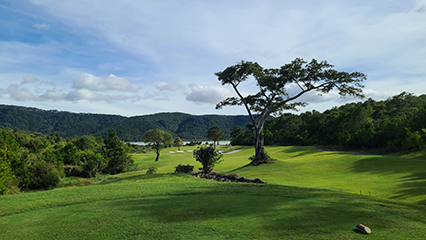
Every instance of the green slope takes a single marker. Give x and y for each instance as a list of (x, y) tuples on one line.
[(298, 205), (186, 126)]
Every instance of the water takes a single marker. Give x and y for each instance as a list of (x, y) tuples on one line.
[(185, 142)]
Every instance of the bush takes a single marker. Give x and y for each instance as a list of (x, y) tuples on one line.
[(184, 168), (43, 175), (151, 170), (193, 143), (74, 171), (208, 157)]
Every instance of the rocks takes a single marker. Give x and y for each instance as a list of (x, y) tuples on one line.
[(227, 177)]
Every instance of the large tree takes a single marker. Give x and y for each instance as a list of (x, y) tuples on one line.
[(158, 139), (273, 85)]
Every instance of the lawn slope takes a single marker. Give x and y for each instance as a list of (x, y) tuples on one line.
[(302, 203)]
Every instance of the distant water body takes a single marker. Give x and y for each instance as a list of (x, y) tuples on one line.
[(185, 142)]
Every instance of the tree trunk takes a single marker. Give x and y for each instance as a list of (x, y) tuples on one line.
[(364, 228), (158, 155), (259, 146)]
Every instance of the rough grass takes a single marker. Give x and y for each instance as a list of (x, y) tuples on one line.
[(310, 198)]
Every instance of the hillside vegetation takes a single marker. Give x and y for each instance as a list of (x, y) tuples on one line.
[(396, 124), (130, 129), (311, 197)]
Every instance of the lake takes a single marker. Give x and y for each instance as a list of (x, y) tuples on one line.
[(185, 142)]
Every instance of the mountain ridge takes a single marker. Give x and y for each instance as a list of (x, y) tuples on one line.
[(69, 124)]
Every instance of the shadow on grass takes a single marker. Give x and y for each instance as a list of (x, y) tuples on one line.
[(296, 151), (279, 210), (411, 185), (142, 177)]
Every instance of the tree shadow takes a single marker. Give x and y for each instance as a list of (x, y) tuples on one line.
[(142, 176), (413, 184), (296, 151), (280, 210)]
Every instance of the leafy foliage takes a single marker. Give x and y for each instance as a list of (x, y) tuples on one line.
[(117, 154), (32, 161), (158, 139), (215, 133), (395, 124), (151, 170), (273, 83), (208, 157), (184, 168), (178, 143), (130, 129)]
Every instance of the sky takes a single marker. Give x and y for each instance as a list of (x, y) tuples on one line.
[(142, 57)]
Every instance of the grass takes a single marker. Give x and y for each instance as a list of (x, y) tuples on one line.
[(310, 198)]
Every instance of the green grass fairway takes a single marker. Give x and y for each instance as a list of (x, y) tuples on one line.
[(314, 195), (389, 177)]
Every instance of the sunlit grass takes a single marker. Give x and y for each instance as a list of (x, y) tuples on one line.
[(202, 209), (391, 177), (314, 195)]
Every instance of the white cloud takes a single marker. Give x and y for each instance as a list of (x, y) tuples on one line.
[(53, 95), (170, 86), (111, 82), (163, 41), (157, 96), (41, 26), (84, 94), (205, 94), (29, 79), (20, 94)]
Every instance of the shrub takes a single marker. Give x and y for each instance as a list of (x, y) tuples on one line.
[(208, 157), (193, 143), (43, 175), (74, 171), (184, 168), (151, 170)]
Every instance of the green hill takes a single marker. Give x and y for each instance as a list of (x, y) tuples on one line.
[(67, 124)]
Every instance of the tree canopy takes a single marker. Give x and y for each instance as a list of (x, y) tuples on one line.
[(130, 129), (178, 143), (273, 94), (395, 124), (216, 134), (158, 139)]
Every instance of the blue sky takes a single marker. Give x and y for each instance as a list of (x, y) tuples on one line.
[(142, 57)]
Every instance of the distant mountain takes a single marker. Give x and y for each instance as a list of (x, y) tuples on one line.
[(67, 124)]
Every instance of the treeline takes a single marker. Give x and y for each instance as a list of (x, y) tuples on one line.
[(130, 129), (398, 123), (32, 161)]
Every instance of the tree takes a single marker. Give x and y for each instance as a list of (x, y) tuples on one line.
[(208, 157), (273, 96), (116, 153), (158, 139), (215, 133), (178, 143)]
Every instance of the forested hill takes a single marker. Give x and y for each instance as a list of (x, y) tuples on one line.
[(67, 124)]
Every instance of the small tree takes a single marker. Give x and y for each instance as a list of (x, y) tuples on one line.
[(157, 139), (208, 157), (116, 153), (215, 133), (178, 143)]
